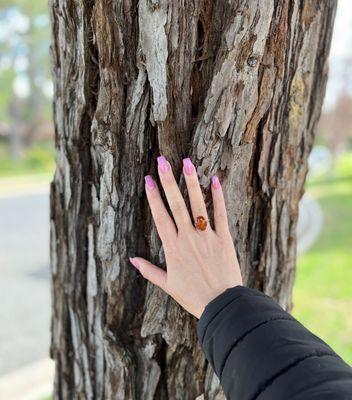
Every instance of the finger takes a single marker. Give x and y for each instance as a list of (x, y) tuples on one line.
[(194, 190), (150, 271), (163, 222), (220, 213), (173, 194)]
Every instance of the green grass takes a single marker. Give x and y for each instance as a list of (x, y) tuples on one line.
[(323, 289), (38, 159)]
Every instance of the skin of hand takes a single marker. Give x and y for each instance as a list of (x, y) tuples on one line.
[(200, 264)]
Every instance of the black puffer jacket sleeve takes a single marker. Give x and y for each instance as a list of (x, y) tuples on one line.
[(260, 352)]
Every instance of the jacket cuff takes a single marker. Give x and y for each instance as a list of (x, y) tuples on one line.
[(216, 305), (230, 317)]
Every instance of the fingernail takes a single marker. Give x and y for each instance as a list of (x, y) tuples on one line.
[(188, 165), (163, 164), (134, 262), (149, 182), (215, 182)]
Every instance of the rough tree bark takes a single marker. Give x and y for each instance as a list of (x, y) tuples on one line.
[(237, 86)]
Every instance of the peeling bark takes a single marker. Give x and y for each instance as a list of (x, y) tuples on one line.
[(235, 85)]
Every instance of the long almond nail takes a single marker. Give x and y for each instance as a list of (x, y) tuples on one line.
[(149, 182), (188, 166), (215, 182), (163, 164), (134, 262)]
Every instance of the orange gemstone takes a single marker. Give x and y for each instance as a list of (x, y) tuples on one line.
[(201, 223)]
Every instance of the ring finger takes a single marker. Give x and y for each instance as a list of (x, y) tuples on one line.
[(194, 191)]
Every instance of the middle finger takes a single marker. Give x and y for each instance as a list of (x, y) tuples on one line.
[(173, 194)]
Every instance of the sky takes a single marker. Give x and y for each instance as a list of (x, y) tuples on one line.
[(340, 59)]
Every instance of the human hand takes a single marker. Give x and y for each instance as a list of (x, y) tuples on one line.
[(201, 264)]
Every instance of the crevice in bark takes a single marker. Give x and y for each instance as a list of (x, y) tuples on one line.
[(120, 143), (200, 41), (68, 366), (86, 213), (208, 47), (258, 222), (161, 389)]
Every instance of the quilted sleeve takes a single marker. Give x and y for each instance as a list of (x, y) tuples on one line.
[(260, 352)]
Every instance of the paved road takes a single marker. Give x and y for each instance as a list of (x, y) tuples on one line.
[(24, 282)]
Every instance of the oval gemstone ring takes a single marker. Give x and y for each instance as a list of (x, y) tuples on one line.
[(201, 223)]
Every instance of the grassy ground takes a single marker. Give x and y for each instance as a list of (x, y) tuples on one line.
[(323, 289), (38, 159), (33, 171)]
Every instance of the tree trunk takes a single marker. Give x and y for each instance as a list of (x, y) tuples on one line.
[(235, 85)]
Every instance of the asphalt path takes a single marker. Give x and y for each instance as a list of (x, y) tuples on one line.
[(25, 302)]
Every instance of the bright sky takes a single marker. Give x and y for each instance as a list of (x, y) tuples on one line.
[(341, 41), (341, 51)]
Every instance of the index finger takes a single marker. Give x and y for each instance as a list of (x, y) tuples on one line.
[(163, 222)]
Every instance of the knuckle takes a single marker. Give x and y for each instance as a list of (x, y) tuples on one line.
[(177, 206), (159, 219), (145, 271), (221, 215), (193, 182), (167, 179), (142, 270), (186, 231)]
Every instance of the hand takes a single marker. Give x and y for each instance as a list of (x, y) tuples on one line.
[(200, 264)]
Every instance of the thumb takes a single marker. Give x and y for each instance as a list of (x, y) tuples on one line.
[(150, 271)]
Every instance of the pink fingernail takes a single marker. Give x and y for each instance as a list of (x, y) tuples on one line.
[(163, 164), (134, 262), (215, 182), (188, 165), (149, 182)]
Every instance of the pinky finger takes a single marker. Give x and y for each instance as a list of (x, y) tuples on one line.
[(220, 213), (150, 271)]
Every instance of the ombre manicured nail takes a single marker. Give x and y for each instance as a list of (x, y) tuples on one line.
[(215, 182), (163, 164), (189, 167), (149, 182), (134, 262)]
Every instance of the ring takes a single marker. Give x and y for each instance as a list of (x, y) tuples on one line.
[(201, 223)]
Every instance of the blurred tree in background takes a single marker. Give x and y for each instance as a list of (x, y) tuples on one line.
[(26, 88), (335, 127)]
